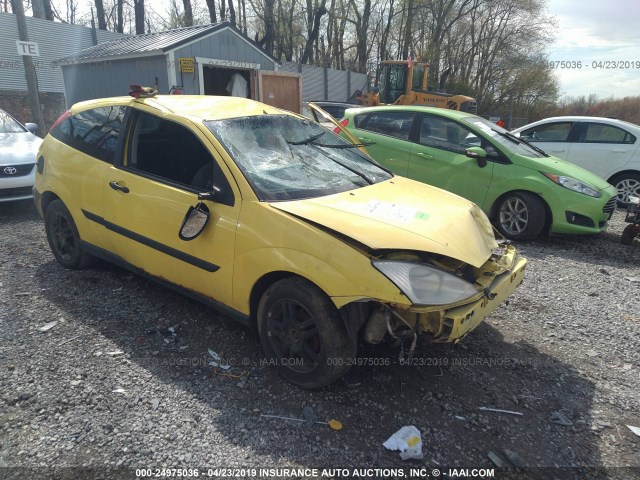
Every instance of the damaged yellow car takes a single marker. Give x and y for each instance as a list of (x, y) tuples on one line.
[(272, 219)]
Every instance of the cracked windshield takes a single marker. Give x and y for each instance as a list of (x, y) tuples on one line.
[(285, 158)]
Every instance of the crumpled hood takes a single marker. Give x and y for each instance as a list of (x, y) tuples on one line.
[(403, 214)]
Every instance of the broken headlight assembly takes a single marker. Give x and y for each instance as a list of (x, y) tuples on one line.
[(426, 285)]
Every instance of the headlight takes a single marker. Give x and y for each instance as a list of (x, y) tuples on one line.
[(573, 184), (426, 285)]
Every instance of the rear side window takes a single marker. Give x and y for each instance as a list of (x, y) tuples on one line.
[(393, 124), (94, 132), (602, 133), (553, 132)]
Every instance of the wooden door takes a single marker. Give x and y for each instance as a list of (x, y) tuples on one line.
[(280, 89)]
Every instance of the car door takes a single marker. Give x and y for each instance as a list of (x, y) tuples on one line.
[(438, 157), (554, 138), (165, 165), (602, 148), (386, 136), (91, 140)]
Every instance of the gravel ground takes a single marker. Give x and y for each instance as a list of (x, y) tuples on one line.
[(109, 387)]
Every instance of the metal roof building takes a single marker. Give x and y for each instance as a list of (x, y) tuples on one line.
[(201, 59), (54, 40)]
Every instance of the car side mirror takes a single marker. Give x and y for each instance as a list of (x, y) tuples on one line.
[(194, 222), (32, 127), (479, 154)]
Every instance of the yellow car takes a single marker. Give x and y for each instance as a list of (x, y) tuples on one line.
[(273, 220)]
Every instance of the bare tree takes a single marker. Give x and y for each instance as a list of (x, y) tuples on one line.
[(120, 16), (138, 8), (188, 13), (102, 22), (211, 5), (29, 70), (314, 28)]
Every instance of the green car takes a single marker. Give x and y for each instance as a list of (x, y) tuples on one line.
[(524, 191)]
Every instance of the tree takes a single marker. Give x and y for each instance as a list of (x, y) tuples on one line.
[(211, 5), (313, 19), (188, 13), (102, 22), (29, 70), (138, 8)]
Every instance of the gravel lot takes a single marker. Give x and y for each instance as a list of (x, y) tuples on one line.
[(109, 387)]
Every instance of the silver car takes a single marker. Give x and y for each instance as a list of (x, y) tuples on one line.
[(18, 150)]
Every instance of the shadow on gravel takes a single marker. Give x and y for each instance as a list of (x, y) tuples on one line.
[(17, 212), (170, 387), (604, 249)]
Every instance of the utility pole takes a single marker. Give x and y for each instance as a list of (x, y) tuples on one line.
[(29, 70)]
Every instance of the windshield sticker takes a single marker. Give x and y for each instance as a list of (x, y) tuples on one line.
[(391, 211), (422, 216)]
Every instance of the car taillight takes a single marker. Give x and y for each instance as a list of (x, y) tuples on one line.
[(61, 119), (344, 122)]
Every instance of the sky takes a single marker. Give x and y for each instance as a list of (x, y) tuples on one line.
[(597, 33)]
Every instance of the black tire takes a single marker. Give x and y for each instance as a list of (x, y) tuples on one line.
[(63, 237), (303, 335), (520, 215), (628, 234), (626, 184)]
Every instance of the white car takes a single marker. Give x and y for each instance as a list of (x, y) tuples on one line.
[(18, 149), (605, 146)]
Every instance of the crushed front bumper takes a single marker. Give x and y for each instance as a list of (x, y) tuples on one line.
[(500, 276)]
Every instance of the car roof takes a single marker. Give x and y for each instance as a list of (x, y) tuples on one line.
[(203, 107), (444, 112), (578, 118)]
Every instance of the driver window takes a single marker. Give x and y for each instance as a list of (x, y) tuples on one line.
[(173, 154), (446, 134)]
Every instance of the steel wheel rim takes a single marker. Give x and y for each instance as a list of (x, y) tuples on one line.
[(514, 216), (294, 336), (63, 238), (626, 187)]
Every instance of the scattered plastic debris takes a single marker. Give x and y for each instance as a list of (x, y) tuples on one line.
[(632, 279), (114, 353), (635, 430), (408, 440), (217, 361), (119, 390), (48, 326), (458, 417), (495, 458), (332, 424), (21, 294), (515, 458), (498, 410), (310, 416), (561, 419)]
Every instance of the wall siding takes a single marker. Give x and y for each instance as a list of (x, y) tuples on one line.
[(223, 45), (112, 78), (318, 84), (55, 40)]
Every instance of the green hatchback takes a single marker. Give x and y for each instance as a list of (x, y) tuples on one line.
[(524, 191)]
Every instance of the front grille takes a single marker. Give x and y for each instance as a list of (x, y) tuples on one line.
[(10, 171), (610, 206), (15, 192)]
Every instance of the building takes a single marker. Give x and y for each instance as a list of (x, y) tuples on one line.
[(203, 59), (54, 40)]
